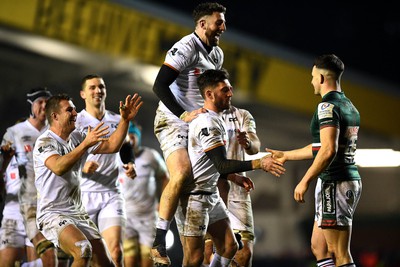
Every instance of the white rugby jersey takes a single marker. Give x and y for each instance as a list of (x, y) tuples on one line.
[(189, 57), (58, 194), (23, 136), (140, 193), (237, 119), (12, 184), (105, 177), (206, 132)]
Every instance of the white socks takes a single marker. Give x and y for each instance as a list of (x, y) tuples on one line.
[(326, 263), (35, 263), (219, 261)]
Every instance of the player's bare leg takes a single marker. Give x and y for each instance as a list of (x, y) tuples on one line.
[(179, 169)]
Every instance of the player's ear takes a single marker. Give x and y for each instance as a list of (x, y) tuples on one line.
[(322, 79), (208, 93), (54, 116), (82, 94), (202, 23)]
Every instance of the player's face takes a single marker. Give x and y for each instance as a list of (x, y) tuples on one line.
[(222, 95), (134, 140), (67, 115), (94, 93), (215, 26), (316, 80), (38, 108)]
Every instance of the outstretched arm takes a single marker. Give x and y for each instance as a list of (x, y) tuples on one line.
[(227, 166), (128, 111), (296, 154)]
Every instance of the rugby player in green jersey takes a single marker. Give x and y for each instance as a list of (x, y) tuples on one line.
[(334, 129)]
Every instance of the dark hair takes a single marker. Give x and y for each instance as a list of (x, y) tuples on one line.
[(330, 62), (53, 105), (208, 8), (211, 78), (89, 77)]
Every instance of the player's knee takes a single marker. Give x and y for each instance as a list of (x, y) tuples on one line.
[(145, 251), (85, 249), (42, 246), (117, 253), (230, 249), (320, 252), (245, 254), (130, 247), (179, 177)]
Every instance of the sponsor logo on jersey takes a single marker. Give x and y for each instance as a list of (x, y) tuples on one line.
[(325, 106), (233, 119), (328, 192), (27, 148), (197, 71), (63, 222), (351, 131), (182, 136), (173, 51), (42, 148), (120, 211), (205, 132), (325, 110)]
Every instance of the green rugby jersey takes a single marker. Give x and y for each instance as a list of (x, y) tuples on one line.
[(337, 110)]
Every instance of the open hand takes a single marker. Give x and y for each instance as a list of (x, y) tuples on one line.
[(96, 134), (130, 108)]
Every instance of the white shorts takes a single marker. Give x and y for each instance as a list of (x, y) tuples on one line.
[(12, 234), (55, 223), (141, 227), (336, 202), (171, 132), (106, 209), (196, 212), (28, 212), (241, 217)]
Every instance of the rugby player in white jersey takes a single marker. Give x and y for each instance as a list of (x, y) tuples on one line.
[(243, 139), (58, 156), (180, 102), (101, 194), (22, 137), (201, 209), (142, 196), (14, 244)]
